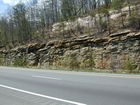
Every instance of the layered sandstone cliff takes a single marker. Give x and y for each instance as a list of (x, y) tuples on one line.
[(115, 52)]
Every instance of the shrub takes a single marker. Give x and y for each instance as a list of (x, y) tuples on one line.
[(129, 65), (1, 63), (89, 63), (70, 62), (103, 25), (20, 62), (134, 22), (134, 19), (91, 60)]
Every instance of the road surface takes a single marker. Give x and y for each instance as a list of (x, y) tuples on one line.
[(19, 86)]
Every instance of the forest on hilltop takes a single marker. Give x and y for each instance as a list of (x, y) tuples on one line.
[(32, 22)]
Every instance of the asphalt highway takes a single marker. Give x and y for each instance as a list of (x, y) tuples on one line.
[(20, 86)]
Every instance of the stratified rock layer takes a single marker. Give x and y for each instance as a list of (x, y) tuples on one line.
[(87, 52)]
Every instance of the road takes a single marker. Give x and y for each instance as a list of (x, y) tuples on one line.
[(19, 86)]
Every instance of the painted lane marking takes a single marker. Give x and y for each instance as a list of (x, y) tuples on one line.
[(40, 95), (46, 77)]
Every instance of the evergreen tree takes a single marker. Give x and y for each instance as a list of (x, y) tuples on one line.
[(23, 28), (67, 9), (117, 5)]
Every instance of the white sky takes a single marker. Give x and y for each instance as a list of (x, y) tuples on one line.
[(11, 2), (4, 4)]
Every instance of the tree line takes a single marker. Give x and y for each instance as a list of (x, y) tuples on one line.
[(24, 23)]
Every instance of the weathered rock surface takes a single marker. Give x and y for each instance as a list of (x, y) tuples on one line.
[(89, 21), (110, 52)]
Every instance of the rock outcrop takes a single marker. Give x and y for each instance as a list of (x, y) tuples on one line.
[(89, 21), (118, 51)]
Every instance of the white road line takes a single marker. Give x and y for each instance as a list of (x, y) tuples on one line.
[(46, 77), (40, 95)]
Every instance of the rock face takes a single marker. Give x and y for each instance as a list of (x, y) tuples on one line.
[(88, 21), (118, 51)]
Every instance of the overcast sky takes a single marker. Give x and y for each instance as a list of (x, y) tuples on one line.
[(11, 2), (5, 3)]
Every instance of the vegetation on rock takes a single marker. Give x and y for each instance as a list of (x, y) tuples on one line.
[(74, 34), (24, 23)]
